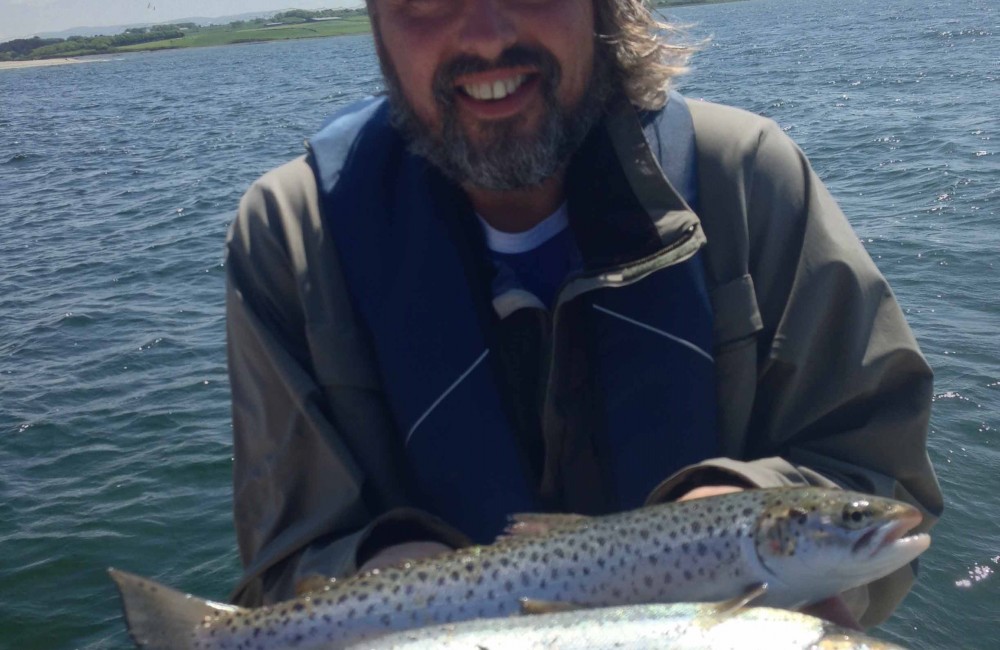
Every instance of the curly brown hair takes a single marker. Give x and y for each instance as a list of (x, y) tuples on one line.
[(643, 56)]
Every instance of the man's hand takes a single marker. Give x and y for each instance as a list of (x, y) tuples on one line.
[(832, 609), (400, 553)]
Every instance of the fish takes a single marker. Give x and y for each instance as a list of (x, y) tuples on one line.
[(679, 626), (779, 547)]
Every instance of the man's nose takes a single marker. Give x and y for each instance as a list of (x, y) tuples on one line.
[(488, 29)]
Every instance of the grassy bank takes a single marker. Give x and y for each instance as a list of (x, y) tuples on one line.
[(254, 34)]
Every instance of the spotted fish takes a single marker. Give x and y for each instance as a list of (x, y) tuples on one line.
[(804, 544), (681, 626)]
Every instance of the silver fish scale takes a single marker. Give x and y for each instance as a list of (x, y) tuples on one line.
[(690, 551), (684, 626)]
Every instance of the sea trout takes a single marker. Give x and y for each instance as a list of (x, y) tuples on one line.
[(682, 626), (802, 544)]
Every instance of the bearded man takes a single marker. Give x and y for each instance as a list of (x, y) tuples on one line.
[(533, 278)]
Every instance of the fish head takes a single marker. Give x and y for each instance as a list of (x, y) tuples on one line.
[(817, 543)]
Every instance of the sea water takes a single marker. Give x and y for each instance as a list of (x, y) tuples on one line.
[(119, 178)]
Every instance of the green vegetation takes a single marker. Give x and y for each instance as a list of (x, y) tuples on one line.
[(296, 23), (292, 24)]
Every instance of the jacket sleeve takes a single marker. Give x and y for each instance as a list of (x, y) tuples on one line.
[(842, 393), (305, 501)]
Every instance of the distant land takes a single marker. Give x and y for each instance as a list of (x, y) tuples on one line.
[(117, 29), (65, 46), (292, 24)]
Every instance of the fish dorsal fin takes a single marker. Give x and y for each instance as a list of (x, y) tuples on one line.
[(161, 618), (312, 584), (529, 524), (532, 606), (752, 593)]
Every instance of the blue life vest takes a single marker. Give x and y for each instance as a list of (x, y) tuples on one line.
[(637, 360)]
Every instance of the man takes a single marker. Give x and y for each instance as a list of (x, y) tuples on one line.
[(530, 279)]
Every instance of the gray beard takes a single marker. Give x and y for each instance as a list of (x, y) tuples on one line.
[(506, 159)]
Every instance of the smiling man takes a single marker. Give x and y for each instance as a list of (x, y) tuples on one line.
[(533, 278)]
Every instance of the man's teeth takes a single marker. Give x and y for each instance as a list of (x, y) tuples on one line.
[(496, 90)]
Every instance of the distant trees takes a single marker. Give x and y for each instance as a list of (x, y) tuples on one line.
[(20, 48), (48, 48)]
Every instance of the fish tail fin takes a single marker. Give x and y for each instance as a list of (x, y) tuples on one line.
[(158, 617)]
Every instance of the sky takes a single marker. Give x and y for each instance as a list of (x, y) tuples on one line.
[(26, 18)]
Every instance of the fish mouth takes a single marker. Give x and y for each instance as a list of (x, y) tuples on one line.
[(892, 535)]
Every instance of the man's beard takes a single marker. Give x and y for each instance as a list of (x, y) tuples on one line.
[(504, 159)]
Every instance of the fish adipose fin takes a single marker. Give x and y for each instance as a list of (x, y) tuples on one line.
[(161, 618), (528, 524), (531, 606)]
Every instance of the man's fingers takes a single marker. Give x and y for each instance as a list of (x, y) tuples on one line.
[(709, 491)]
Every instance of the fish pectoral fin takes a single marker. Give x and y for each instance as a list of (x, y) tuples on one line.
[(732, 605), (531, 524), (532, 606)]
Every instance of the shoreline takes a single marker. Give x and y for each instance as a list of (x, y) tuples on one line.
[(41, 63)]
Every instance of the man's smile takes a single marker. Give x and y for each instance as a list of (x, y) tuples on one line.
[(496, 94)]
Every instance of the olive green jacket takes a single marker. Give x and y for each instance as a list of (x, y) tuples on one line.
[(819, 378)]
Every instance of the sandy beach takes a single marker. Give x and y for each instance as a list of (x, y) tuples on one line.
[(13, 65)]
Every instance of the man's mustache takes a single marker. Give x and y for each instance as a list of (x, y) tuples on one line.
[(514, 56)]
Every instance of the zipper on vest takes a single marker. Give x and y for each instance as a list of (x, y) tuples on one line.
[(681, 250)]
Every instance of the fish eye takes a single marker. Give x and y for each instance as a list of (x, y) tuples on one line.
[(857, 513)]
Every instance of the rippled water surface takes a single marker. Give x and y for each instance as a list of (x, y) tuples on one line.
[(119, 178)]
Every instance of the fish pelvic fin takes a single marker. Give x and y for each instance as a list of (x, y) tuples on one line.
[(752, 593), (161, 618), (533, 607)]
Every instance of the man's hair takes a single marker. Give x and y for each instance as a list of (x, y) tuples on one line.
[(642, 58)]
